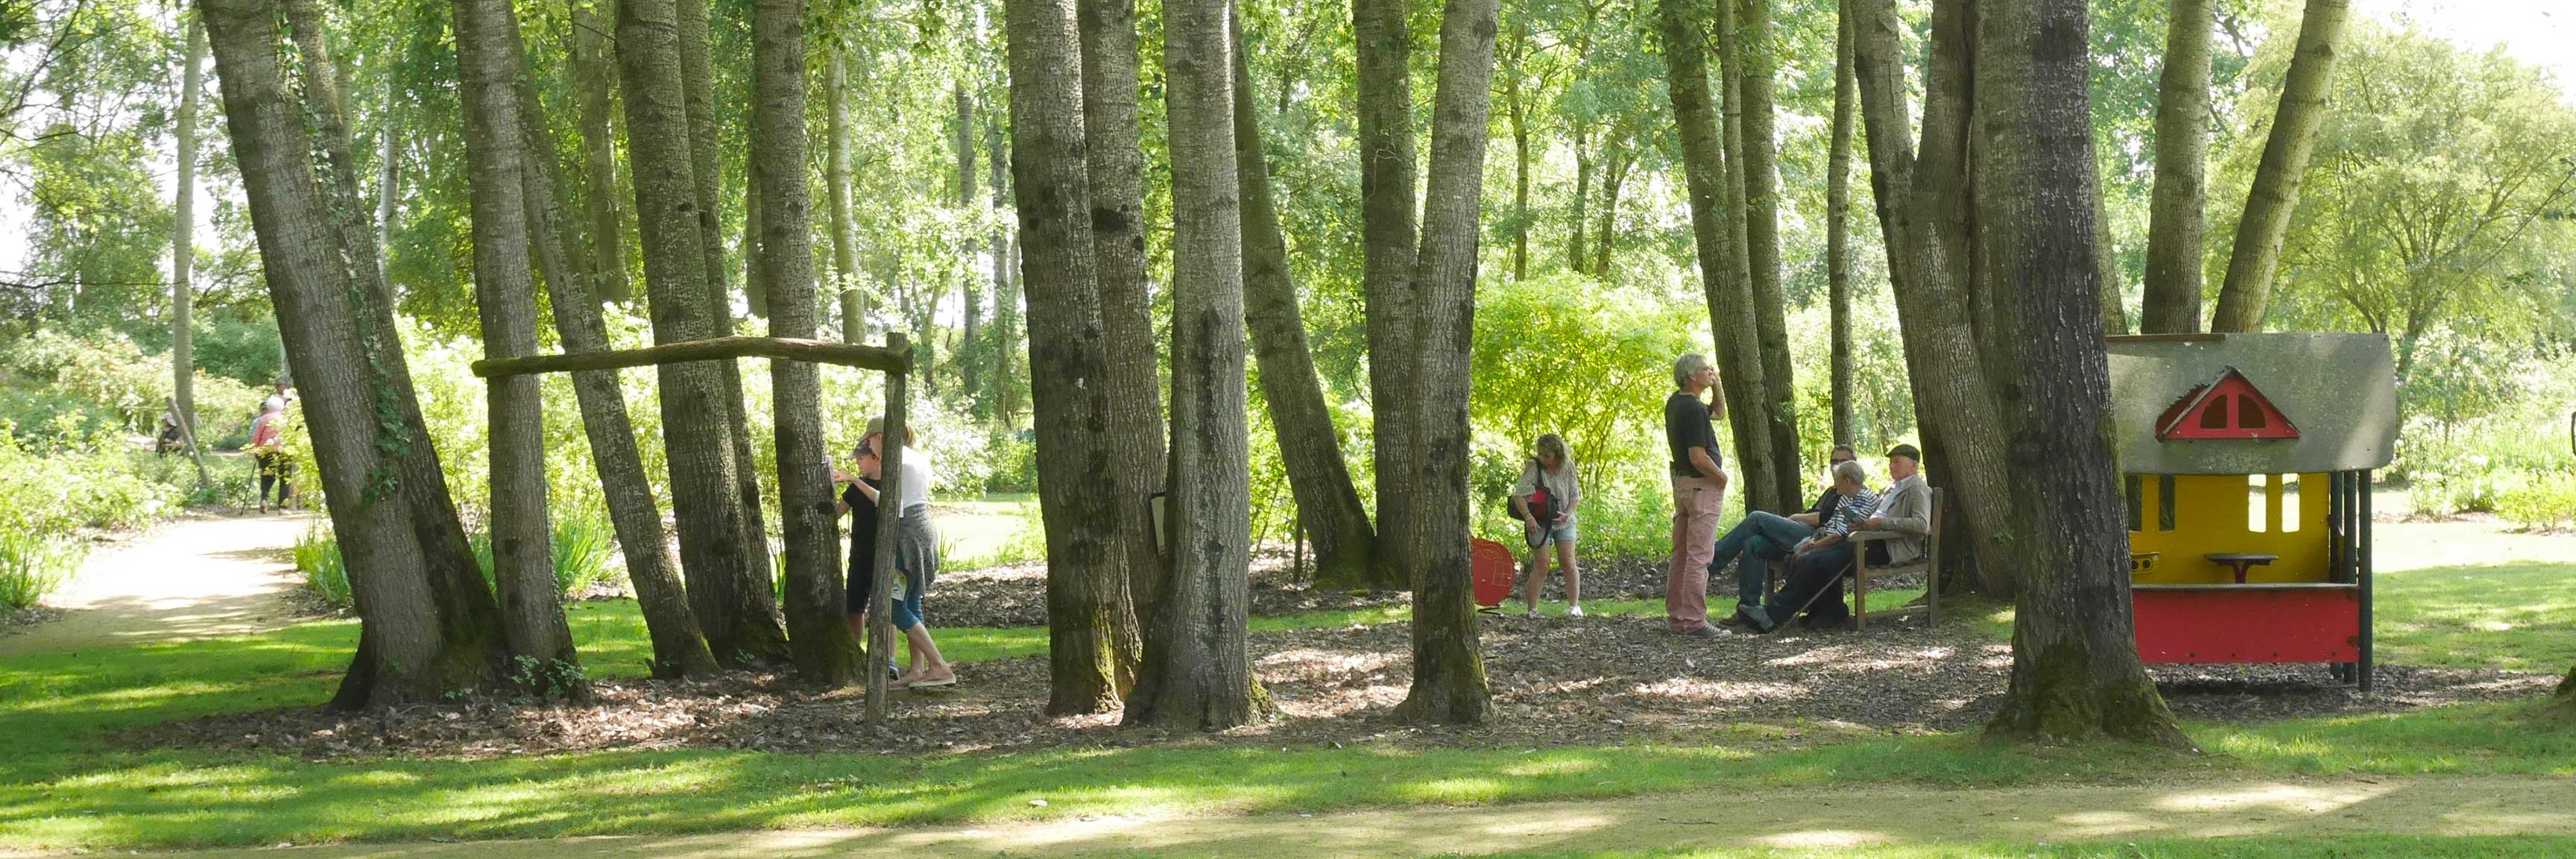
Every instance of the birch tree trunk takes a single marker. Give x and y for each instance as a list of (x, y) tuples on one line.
[(1448, 671), (1309, 444), (1066, 355), (1838, 284), (183, 227), (2275, 193), (733, 606), (488, 64), (836, 190), (1761, 213), (595, 88), (1197, 673), (1385, 105), (2172, 301), (2076, 673), (679, 648), (418, 640), (1115, 167)]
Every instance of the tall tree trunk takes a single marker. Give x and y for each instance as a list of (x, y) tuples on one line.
[(1448, 670), (419, 640), (457, 580), (595, 87), (996, 350), (2076, 673), (183, 228), (733, 606), (1704, 179), (1923, 217), (836, 190), (1387, 229), (679, 649), (754, 283), (388, 173), (1115, 167), (818, 628), (1516, 110), (2172, 302), (1606, 239), (963, 146), (1309, 444), (1838, 226), (697, 89), (532, 618), (2275, 193), (1739, 338), (1066, 353), (1576, 260), (1755, 50), (1197, 673)]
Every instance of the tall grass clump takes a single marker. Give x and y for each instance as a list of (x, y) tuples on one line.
[(33, 565), (317, 556)]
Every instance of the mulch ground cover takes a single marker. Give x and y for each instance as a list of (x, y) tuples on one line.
[(1556, 681)]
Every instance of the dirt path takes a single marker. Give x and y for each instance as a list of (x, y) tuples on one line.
[(1807, 818), (188, 579)]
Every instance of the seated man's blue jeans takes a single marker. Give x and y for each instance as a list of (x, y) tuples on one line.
[(1758, 538)]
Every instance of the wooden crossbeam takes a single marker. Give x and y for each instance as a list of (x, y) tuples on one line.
[(885, 358)]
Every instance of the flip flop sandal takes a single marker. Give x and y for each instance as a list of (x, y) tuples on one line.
[(950, 680)]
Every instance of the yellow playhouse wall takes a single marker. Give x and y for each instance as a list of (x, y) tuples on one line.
[(2210, 513)]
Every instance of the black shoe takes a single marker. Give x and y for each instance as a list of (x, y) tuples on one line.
[(1752, 618)]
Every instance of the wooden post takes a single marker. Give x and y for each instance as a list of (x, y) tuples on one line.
[(889, 530)]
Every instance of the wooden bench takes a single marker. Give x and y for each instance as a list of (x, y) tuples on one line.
[(1929, 566)]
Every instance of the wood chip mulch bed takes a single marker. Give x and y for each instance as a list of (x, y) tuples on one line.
[(1556, 681)]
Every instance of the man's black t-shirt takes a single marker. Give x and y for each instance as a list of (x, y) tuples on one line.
[(1687, 425), (1825, 506)]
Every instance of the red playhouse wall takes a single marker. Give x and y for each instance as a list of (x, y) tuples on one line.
[(2248, 625)]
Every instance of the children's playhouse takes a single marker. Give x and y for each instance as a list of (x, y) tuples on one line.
[(2246, 461)]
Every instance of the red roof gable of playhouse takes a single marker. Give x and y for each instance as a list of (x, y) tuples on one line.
[(2227, 407)]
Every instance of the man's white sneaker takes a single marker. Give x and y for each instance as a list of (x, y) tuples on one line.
[(1574, 611)]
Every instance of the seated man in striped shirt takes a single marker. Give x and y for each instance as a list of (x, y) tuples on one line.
[(1858, 504)]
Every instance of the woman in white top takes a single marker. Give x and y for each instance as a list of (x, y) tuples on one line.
[(1544, 501), (916, 560)]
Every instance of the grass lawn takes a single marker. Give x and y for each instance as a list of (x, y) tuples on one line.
[(66, 783)]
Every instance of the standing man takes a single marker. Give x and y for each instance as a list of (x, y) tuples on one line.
[(1699, 492)]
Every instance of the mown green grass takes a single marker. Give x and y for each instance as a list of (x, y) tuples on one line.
[(66, 780)]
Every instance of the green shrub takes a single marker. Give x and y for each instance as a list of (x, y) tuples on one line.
[(584, 548), (34, 564), (2545, 501), (317, 556)]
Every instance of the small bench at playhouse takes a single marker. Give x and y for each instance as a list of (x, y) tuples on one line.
[(2247, 463)]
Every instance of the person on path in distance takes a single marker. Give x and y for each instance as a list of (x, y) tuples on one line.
[(268, 453), (1545, 500), (1905, 508), (1699, 492)]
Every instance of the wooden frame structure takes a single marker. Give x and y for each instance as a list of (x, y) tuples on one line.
[(894, 359)]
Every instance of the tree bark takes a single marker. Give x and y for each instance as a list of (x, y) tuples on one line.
[(964, 148), (388, 174), (2076, 673), (836, 190), (818, 628), (732, 604), (1838, 226), (754, 283), (1448, 671), (679, 648), (1387, 228), (1309, 444), (1115, 167), (1704, 179), (183, 227), (1739, 338), (595, 87), (1197, 672), (697, 89), (415, 643), (2275, 193), (2172, 302), (532, 619), (1576, 259), (1923, 216), (1516, 111), (467, 610), (1066, 356), (1761, 213), (1606, 239)]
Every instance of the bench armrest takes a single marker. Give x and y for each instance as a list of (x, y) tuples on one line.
[(1880, 535)]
